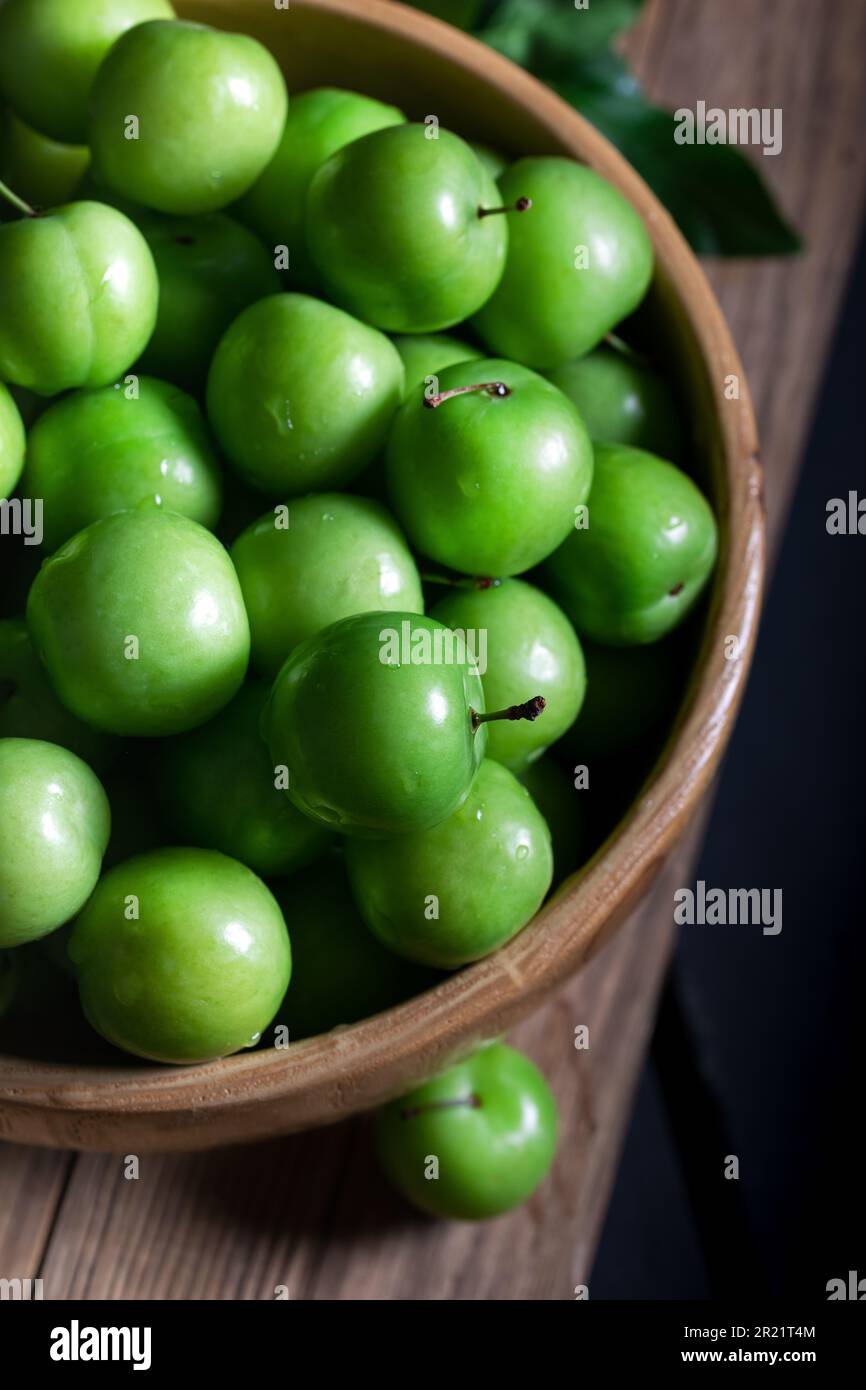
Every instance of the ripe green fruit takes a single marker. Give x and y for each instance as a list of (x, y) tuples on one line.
[(393, 226), (54, 826), (459, 890), (218, 791), (578, 262), (529, 644), (30, 709), (42, 171), (209, 109), (643, 560), (200, 969), (301, 395), (12, 443), (373, 720), (78, 296), (561, 804), (622, 401), (319, 123), (97, 452), (125, 650), (629, 690), (50, 51), (490, 1123), (426, 355), (210, 268), (488, 483), (330, 556), (340, 973)]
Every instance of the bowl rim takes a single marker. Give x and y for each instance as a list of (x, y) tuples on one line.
[(353, 1068)]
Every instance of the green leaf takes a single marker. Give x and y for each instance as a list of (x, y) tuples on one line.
[(716, 195), (549, 36)]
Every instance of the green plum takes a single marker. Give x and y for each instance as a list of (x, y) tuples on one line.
[(97, 452), (340, 973), (181, 955), (12, 442), (629, 691), (580, 261), (301, 395), (50, 51), (140, 623), (217, 789), (54, 827), (473, 1142), (459, 890), (487, 480), (396, 227), (559, 801), (209, 110), (42, 171), (634, 572), (319, 123), (622, 400), (209, 269), (30, 709), (426, 355), (529, 645), (78, 297), (494, 162), (374, 718), (334, 556)]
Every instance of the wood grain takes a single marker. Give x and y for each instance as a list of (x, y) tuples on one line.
[(221, 1225)]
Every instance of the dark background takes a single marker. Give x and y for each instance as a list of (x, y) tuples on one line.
[(759, 1045)]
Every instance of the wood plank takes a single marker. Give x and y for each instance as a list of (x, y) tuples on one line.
[(312, 1212), (31, 1186)]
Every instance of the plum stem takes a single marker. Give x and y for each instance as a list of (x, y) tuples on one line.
[(530, 709), (472, 1102), (522, 205), (492, 388), (453, 581), (19, 203)]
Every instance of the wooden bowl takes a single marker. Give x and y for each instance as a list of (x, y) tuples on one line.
[(428, 68)]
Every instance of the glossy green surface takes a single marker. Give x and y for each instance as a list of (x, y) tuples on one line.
[(454, 893), (162, 580), (319, 123), (375, 731), (563, 808), (494, 162), (50, 51), (531, 649), (623, 401), (301, 395), (642, 562), (11, 442), (211, 107), (340, 973), (338, 555), (209, 268), (181, 955), (29, 707), (629, 690), (393, 227), (97, 452), (54, 826), (578, 261), (428, 354), (42, 171), (487, 484), (489, 1122), (78, 297), (217, 791)]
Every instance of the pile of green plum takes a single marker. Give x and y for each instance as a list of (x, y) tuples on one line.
[(319, 584)]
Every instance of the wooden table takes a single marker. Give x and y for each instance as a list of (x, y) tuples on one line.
[(311, 1212)]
